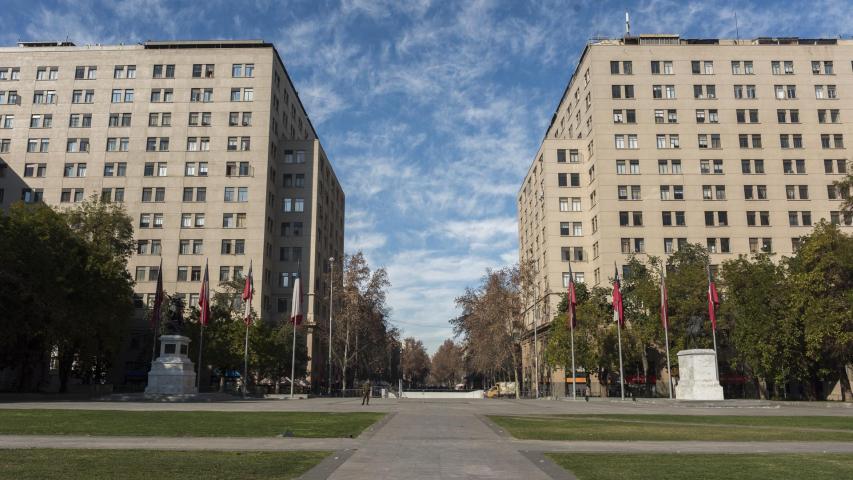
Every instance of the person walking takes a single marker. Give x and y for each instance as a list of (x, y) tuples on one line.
[(365, 393)]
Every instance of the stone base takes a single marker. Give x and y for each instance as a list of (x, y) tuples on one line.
[(697, 379), (173, 373)]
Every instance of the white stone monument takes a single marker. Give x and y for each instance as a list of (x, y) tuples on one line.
[(173, 372), (697, 376)]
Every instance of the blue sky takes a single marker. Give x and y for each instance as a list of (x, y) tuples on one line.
[(429, 110)]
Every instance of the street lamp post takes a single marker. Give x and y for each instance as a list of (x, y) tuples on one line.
[(536, 340), (331, 304)]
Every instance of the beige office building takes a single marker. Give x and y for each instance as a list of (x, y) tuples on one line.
[(208, 146), (660, 140)]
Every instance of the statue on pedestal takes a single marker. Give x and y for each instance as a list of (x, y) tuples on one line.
[(173, 373), (175, 318)]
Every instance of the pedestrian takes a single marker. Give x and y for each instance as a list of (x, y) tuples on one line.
[(365, 393)]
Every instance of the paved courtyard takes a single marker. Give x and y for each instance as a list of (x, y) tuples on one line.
[(441, 439)]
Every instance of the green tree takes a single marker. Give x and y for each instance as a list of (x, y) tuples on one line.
[(845, 187), (687, 284), (821, 288), (767, 342), (65, 289), (271, 348), (447, 365)]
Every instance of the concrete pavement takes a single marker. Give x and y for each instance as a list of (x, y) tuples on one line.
[(441, 439)]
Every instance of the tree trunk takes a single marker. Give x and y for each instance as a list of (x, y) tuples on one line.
[(761, 387), (515, 375), (844, 382), (345, 360)]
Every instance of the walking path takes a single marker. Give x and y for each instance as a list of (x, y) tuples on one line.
[(438, 439)]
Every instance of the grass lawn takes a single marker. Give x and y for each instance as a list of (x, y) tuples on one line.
[(145, 465), (597, 466), (184, 424), (677, 427)]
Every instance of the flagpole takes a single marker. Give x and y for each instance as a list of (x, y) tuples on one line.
[(621, 374), (158, 308), (570, 298), (297, 286), (713, 310), (574, 375), (665, 318), (668, 368), (618, 314), (203, 318), (200, 346), (293, 362), (246, 361)]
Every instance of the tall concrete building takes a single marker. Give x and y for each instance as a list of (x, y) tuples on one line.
[(660, 140), (208, 146)]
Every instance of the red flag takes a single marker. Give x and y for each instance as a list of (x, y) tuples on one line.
[(618, 310), (713, 300), (296, 311), (571, 300), (247, 297), (664, 302), (204, 299), (158, 300)]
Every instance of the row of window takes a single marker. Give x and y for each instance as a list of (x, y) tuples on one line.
[(151, 169), (714, 218), (718, 192), (738, 67), (122, 144), (742, 115), (715, 166), (709, 92), (84, 120), (191, 247), (714, 141), (90, 72), (157, 95)]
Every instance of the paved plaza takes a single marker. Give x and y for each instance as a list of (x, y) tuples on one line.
[(440, 439)]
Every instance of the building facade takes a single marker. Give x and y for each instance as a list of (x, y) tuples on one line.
[(207, 145), (659, 141)]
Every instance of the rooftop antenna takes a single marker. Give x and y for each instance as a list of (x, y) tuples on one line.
[(627, 24), (737, 30)]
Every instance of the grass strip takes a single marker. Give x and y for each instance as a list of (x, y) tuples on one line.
[(145, 465), (678, 427), (600, 466), (184, 424)]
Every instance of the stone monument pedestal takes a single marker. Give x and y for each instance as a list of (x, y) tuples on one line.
[(697, 376), (173, 373)]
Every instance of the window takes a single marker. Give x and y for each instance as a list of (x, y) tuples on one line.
[(568, 179), (659, 67), (667, 141), (746, 67), (626, 67), (85, 73), (838, 166), (630, 116), (162, 95), (157, 144), (163, 71), (791, 141), (42, 97), (77, 145), (9, 97), (203, 70), (704, 92), (35, 170)]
